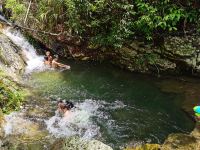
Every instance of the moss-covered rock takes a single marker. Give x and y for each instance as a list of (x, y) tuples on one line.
[(181, 141), (180, 47), (10, 57), (12, 94), (2, 121), (177, 55), (145, 147), (76, 143)]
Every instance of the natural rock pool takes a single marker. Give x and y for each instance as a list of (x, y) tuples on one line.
[(116, 107)]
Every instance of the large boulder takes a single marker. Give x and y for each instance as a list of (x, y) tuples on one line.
[(181, 141)]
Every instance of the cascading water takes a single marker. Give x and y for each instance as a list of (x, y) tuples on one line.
[(33, 60), (4, 20)]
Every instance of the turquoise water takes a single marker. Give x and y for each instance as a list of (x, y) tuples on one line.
[(131, 107)]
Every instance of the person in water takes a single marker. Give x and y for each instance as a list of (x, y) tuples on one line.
[(48, 58), (64, 108), (56, 64)]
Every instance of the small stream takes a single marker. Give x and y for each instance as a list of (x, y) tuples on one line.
[(112, 105)]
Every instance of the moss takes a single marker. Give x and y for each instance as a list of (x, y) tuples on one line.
[(2, 58), (11, 94)]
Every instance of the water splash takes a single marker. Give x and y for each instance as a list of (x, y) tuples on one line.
[(79, 122), (82, 120), (16, 124), (33, 60)]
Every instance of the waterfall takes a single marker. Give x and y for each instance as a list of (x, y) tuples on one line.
[(33, 60), (4, 20)]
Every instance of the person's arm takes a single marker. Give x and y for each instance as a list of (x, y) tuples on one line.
[(50, 58), (63, 65)]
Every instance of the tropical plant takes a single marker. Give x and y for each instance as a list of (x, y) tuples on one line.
[(108, 22)]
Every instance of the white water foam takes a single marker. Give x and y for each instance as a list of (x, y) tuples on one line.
[(3, 19), (82, 121), (79, 122), (16, 124), (34, 61)]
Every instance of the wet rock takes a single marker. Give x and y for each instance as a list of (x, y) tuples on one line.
[(75, 143), (11, 144), (26, 135), (196, 131), (145, 147), (2, 122), (181, 141), (180, 47), (10, 59), (177, 55)]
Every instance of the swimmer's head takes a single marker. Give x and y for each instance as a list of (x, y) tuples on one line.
[(70, 105), (48, 53), (67, 105)]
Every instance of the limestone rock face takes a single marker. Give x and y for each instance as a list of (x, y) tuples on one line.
[(177, 55), (10, 59)]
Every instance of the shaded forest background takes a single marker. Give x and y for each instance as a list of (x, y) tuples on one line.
[(107, 22)]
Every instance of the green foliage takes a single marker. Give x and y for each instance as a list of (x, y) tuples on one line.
[(11, 96), (17, 8), (108, 22)]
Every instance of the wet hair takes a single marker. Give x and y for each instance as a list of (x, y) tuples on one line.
[(60, 101), (70, 105), (67, 105), (45, 58)]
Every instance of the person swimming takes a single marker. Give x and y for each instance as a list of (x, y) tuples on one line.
[(64, 108), (56, 64), (48, 58)]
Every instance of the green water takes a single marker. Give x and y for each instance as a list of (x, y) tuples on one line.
[(136, 109)]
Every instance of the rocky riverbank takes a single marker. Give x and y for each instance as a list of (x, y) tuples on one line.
[(176, 55), (175, 141)]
